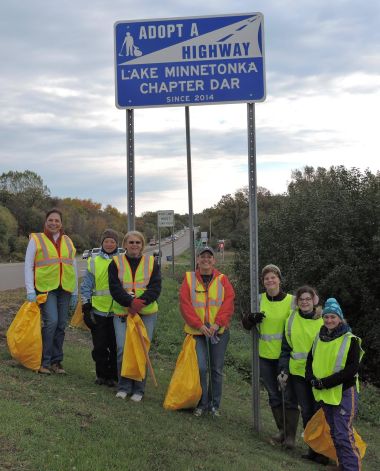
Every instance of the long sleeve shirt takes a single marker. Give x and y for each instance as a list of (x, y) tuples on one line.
[(347, 376), (225, 312), (29, 266), (119, 294)]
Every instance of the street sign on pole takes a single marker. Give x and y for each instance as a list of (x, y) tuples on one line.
[(165, 218), (189, 61)]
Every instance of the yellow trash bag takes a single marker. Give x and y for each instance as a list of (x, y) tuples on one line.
[(77, 318), (317, 436), (184, 391), (134, 360), (24, 335)]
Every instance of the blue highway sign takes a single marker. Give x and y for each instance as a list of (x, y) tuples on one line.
[(189, 61)]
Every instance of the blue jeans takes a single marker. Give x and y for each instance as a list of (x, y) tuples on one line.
[(268, 375), (130, 386), (213, 353), (55, 313)]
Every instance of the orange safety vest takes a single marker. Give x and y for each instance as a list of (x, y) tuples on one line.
[(134, 285), (52, 268), (206, 301)]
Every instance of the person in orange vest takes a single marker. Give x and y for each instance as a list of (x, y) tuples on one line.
[(135, 285), (50, 267), (207, 305)]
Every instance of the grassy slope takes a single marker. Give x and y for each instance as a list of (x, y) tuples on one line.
[(67, 423)]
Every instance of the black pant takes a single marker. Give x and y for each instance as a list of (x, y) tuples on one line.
[(104, 352), (305, 397)]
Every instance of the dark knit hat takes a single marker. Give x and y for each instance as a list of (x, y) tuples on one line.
[(110, 234), (271, 269), (332, 307)]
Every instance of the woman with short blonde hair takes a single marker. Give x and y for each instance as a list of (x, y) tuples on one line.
[(135, 285)]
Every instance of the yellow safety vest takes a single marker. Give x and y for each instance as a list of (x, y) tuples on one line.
[(300, 334), (206, 301), (272, 328), (134, 285), (101, 298), (328, 358), (53, 269)]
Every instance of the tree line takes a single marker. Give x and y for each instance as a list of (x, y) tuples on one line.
[(24, 200), (324, 231)]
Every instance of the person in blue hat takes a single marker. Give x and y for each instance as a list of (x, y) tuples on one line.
[(332, 369)]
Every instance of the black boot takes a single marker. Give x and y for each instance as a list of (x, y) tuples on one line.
[(317, 457), (310, 455), (277, 414), (291, 417)]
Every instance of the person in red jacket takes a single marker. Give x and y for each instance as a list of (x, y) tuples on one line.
[(207, 305)]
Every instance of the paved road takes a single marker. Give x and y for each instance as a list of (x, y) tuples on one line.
[(12, 274)]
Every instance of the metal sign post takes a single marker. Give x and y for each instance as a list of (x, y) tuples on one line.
[(131, 170), (254, 266), (159, 245), (190, 189), (166, 219)]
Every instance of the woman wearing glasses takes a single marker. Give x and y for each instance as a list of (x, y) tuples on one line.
[(301, 327), (135, 285)]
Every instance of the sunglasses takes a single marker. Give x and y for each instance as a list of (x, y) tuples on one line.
[(138, 242)]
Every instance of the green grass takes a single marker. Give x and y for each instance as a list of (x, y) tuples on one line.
[(67, 423)]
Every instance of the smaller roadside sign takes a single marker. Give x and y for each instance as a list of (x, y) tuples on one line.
[(165, 218), (204, 238)]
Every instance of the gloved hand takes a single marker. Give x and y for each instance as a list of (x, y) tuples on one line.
[(282, 380), (251, 319), (89, 318), (316, 383), (137, 304), (73, 302), (31, 297), (86, 308), (214, 339)]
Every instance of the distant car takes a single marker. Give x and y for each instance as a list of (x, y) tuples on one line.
[(152, 242), (86, 254), (95, 251), (121, 250)]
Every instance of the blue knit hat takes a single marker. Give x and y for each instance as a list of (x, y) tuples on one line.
[(332, 307)]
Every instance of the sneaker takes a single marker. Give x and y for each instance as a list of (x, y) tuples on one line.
[(44, 371), (109, 382), (100, 381), (136, 397), (58, 369), (215, 413), (121, 394), (198, 412)]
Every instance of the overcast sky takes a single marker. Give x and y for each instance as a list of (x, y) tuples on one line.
[(58, 116)]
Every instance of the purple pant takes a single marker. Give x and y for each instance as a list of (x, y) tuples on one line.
[(340, 420)]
